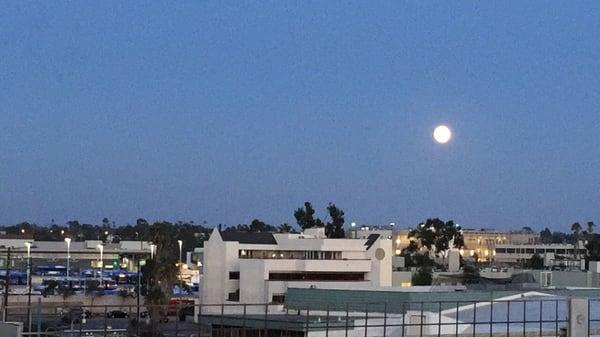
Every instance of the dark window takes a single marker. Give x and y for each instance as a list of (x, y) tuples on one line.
[(500, 250), (529, 251), (278, 298), (318, 276), (540, 251), (560, 251), (234, 296), (234, 275), (510, 250)]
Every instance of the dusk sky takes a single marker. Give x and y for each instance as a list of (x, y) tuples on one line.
[(228, 112)]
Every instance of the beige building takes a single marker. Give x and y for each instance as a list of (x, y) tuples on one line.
[(482, 243)]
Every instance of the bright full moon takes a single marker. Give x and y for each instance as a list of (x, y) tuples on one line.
[(442, 134)]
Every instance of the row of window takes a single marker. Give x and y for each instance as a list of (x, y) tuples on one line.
[(317, 276), (308, 276), (290, 254), (235, 297), (557, 251)]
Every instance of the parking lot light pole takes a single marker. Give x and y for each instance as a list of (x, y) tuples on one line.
[(28, 245), (68, 242), (101, 248)]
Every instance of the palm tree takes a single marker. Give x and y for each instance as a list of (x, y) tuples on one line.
[(590, 227), (285, 228), (576, 229)]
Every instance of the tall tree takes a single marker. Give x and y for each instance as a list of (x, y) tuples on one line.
[(590, 227), (285, 228), (161, 272), (260, 226), (546, 236), (305, 217), (437, 235), (576, 229), (335, 228)]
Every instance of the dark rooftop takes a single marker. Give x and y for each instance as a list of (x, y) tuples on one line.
[(249, 238)]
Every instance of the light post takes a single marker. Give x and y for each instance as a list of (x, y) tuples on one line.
[(152, 249), (68, 242), (180, 246), (101, 248), (28, 245)]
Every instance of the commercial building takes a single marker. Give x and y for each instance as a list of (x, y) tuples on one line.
[(481, 243), (259, 267), (83, 254), (564, 256)]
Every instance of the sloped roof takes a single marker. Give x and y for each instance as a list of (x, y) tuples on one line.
[(249, 237)]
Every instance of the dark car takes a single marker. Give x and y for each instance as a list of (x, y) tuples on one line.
[(117, 314), (75, 315), (188, 310), (162, 316)]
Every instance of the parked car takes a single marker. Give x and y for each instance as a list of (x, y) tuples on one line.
[(75, 315), (117, 314), (188, 310), (163, 317)]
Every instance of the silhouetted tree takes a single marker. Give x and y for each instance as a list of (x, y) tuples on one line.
[(437, 235), (423, 276), (335, 228), (546, 236), (305, 217), (576, 229), (285, 228), (535, 262)]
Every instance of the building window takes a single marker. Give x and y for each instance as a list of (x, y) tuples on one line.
[(278, 299), (234, 275), (234, 296), (529, 251), (317, 276)]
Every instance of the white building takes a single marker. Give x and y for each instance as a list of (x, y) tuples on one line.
[(259, 267), (565, 255)]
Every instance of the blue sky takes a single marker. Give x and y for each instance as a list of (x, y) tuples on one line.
[(225, 112)]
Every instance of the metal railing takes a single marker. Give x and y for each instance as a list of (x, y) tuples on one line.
[(541, 316)]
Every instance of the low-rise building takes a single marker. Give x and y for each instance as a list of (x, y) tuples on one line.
[(82, 254), (481, 243), (259, 267), (566, 255)]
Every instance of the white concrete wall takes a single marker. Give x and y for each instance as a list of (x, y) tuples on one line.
[(253, 276), (381, 270), (213, 288)]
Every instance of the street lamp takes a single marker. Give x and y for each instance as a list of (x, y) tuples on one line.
[(101, 248), (180, 246), (28, 245), (152, 250), (68, 242)]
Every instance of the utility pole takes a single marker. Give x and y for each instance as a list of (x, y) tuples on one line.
[(6, 285)]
